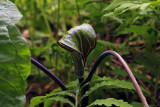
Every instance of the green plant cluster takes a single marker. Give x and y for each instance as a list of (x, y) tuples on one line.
[(129, 27), (96, 92)]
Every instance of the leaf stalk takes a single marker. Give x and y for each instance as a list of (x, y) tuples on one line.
[(49, 73), (99, 60), (78, 11)]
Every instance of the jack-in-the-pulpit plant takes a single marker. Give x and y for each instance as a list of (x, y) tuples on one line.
[(80, 41)]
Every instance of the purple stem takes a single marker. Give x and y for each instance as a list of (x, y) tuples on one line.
[(49, 73)]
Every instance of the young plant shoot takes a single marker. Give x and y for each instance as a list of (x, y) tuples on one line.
[(80, 41), (136, 37)]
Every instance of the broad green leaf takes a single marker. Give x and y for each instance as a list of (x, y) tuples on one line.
[(78, 64), (108, 102), (80, 40), (14, 58), (9, 13)]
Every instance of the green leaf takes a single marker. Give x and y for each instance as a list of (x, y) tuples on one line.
[(58, 96), (115, 4), (110, 83), (136, 74), (37, 100), (109, 102), (63, 100), (111, 16), (113, 46), (61, 93), (70, 85), (150, 61), (9, 13), (137, 104), (78, 64), (121, 6), (12, 1), (14, 58), (80, 40), (141, 30), (156, 3), (144, 5)]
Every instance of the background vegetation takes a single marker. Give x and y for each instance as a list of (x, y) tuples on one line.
[(130, 27)]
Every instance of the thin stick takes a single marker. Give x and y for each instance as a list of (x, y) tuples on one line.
[(58, 19), (78, 11), (50, 74), (99, 60)]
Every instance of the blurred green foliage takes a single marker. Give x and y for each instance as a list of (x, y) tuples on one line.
[(130, 27)]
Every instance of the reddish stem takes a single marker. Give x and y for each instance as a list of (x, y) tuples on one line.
[(99, 60)]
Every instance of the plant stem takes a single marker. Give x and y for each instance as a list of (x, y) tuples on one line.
[(156, 86), (50, 74), (78, 11), (84, 101), (56, 62), (40, 80), (26, 22), (31, 35), (58, 19), (80, 80), (46, 22), (99, 60), (77, 93)]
